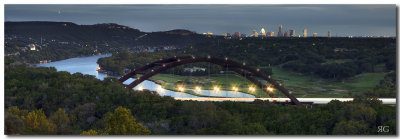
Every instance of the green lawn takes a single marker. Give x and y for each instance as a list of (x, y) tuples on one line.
[(223, 81), (313, 86), (298, 84)]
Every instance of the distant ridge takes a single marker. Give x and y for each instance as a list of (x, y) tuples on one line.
[(102, 32)]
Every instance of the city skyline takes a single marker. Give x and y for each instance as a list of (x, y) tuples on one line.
[(365, 20)]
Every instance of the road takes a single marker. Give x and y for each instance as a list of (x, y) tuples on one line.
[(391, 101)]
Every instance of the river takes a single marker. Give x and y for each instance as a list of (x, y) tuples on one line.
[(88, 65)]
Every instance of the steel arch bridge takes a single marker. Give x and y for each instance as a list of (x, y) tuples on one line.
[(241, 68)]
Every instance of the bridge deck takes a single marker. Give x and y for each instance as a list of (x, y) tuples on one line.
[(391, 101)]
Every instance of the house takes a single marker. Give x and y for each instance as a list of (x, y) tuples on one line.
[(32, 47), (194, 69)]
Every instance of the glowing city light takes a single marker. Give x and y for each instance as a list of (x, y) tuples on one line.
[(98, 68), (198, 89), (216, 89), (235, 89), (181, 89)]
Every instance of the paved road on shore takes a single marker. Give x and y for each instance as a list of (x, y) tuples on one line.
[(391, 101)]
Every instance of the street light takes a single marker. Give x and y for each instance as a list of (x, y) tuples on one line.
[(216, 89), (235, 89), (181, 88), (198, 89)]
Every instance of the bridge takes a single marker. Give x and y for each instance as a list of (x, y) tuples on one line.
[(242, 69)]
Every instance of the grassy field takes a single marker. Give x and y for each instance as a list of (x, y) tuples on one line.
[(223, 81), (299, 85), (313, 86)]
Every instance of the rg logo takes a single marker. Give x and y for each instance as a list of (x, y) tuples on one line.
[(383, 129)]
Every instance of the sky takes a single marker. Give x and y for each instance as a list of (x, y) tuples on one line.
[(340, 20)]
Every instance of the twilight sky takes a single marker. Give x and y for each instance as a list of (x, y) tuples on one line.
[(341, 20)]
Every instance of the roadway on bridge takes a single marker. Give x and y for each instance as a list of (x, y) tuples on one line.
[(391, 101)]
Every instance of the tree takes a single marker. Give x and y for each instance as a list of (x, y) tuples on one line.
[(13, 124), (90, 132), (122, 122), (350, 128), (61, 120), (83, 115), (36, 123), (16, 111)]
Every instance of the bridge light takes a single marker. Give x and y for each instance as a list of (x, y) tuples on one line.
[(163, 65), (258, 69), (252, 89), (235, 89), (198, 89), (181, 89), (270, 89), (244, 63), (152, 70), (193, 57), (208, 57), (226, 58), (216, 89), (179, 60)]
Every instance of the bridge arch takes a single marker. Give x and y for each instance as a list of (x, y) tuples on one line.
[(240, 68)]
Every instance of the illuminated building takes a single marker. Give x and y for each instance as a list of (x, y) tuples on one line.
[(280, 33), (286, 34), (255, 34), (262, 32), (304, 32), (329, 34), (236, 35), (315, 34), (292, 33)]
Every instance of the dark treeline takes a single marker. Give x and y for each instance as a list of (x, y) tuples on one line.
[(337, 58), (44, 101), (61, 40), (121, 63), (331, 58)]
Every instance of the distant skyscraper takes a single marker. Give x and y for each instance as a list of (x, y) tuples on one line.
[(304, 32), (292, 33), (280, 33), (243, 35), (272, 34), (286, 34), (262, 32), (268, 34), (329, 34), (255, 34), (236, 35), (315, 35)]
